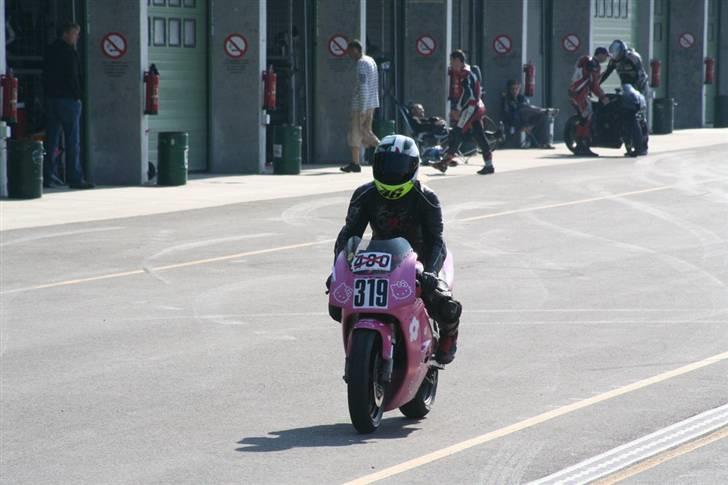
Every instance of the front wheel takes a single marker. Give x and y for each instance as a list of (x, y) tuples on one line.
[(365, 389), (421, 404), (570, 133)]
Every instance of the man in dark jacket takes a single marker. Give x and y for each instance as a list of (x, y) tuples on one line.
[(62, 85), (519, 114)]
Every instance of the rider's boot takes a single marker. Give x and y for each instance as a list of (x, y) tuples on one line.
[(583, 150), (446, 348), (488, 165), (443, 164)]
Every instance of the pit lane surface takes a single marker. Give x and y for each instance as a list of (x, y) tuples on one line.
[(194, 347)]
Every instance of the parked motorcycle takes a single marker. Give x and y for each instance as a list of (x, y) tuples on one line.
[(389, 338), (622, 121)]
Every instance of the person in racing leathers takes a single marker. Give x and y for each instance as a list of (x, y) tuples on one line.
[(628, 64), (396, 204), (584, 83), (466, 112)]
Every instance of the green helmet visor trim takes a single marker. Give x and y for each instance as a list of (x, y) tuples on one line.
[(393, 192)]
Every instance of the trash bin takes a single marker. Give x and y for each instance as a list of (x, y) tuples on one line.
[(287, 142), (25, 169), (663, 116), (721, 112), (172, 158), (383, 128)]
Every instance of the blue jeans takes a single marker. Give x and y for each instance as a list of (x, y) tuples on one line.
[(63, 114)]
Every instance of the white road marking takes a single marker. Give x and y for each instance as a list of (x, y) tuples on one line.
[(641, 449), (533, 421), (57, 234)]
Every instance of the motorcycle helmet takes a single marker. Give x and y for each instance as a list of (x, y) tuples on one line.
[(396, 160), (617, 50)]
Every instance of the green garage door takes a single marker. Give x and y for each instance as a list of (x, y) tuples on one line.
[(178, 47), (614, 19)]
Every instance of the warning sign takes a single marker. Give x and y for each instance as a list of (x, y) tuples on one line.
[(425, 45), (570, 42), (502, 44), (236, 45), (338, 44), (686, 40), (114, 45)]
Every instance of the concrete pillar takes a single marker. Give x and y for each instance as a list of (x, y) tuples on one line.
[(534, 48), (685, 70), (570, 39), (506, 24), (426, 54), (237, 129), (722, 61), (644, 45), (3, 127), (337, 22), (116, 46)]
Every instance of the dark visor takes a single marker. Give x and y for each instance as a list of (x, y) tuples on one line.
[(393, 168)]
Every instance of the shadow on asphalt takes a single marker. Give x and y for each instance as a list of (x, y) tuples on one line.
[(325, 436)]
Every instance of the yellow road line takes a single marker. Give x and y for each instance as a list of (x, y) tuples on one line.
[(533, 421), (665, 456), (168, 267)]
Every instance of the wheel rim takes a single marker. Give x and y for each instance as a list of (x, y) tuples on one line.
[(431, 386), (376, 392)]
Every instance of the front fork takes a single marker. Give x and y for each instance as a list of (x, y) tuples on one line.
[(387, 340)]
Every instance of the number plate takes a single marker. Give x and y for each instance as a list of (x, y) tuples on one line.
[(371, 262), (371, 293)]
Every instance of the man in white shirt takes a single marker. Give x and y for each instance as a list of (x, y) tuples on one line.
[(363, 103)]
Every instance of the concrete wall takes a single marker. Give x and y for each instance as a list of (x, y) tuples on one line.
[(116, 126), (569, 17), (237, 132), (3, 129), (722, 62), (425, 76), (645, 33), (506, 24), (535, 49), (334, 77), (685, 69)]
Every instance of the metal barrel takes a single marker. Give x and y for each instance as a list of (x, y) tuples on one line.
[(663, 116), (25, 169), (172, 162), (287, 141)]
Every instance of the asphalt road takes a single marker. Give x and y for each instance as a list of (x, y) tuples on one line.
[(194, 347)]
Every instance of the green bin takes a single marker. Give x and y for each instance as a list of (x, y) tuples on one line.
[(383, 128), (663, 116), (25, 169), (172, 158), (287, 142), (721, 112)]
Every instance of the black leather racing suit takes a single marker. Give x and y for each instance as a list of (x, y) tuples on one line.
[(417, 217), (630, 70)]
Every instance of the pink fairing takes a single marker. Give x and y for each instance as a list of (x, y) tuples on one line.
[(399, 318)]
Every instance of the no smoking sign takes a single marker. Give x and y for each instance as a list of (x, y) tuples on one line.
[(686, 40), (570, 42), (236, 45), (337, 45), (114, 45), (425, 45), (502, 44)]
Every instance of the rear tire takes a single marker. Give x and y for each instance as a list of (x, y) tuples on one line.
[(570, 133), (365, 390), (423, 401)]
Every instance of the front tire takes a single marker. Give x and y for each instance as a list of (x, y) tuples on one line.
[(365, 389), (422, 403), (570, 133)]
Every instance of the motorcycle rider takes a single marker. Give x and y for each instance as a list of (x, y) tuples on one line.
[(466, 111), (628, 64), (632, 103), (396, 204), (584, 83)]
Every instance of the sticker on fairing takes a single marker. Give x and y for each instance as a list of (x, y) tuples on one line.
[(342, 293), (401, 290), (365, 261), (371, 293)]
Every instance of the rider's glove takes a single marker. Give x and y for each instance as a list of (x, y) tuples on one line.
[(429, 282), (328, 284)]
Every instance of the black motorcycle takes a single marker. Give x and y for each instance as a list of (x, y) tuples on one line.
[(622, 121)]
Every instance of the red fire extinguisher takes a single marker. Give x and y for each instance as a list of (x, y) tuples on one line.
[(530, 71), (10, 97), (709, 70), (269, 88), (655, 73), (151, 95)]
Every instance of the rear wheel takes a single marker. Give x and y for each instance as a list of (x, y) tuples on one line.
[(365, 389), (570, 133), (421, 404), (494, 133)]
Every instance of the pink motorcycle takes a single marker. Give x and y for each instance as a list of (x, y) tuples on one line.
[(389, 338)]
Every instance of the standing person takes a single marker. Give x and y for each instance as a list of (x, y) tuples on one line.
[(584, 83), (62, 85), (466, 112), (363, 103), (628, 64)]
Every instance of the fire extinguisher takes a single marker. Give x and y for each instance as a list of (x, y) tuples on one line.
[(151, 95), (10, 97), (530, 71), (655, 73), (269, 88), (709, 70)]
